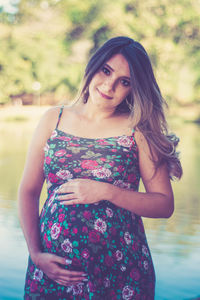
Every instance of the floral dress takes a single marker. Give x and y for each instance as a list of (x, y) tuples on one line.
[(101, 239)]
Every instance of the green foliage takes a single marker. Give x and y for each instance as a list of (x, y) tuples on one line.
[(50, 41)]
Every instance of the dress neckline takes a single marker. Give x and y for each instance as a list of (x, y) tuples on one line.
[(95, 139)]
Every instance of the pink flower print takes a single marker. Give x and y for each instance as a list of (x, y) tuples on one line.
[(85, 253), (127, 292), (102, 159), (100, 225), (102, 142), (131, 177), (66, 231), (77, 170), (61, 217), (135, 274), (64, 174), (101, 172), (55, 231), (135, 246), (94, 236), (127, 237), (48, 244), (118, 255), (76, 261), (89, 164), (33, 287), (48, 160), (74, 145), (32, 268), (52, 178), (62, 160), (64, 138), (60, 152), (85, 229), (87, 214), (120, 183), (75, 230), (125, 141), (53, 208), (50, 224), (120, 169), (109, 212), (38, 275), (67, 246)]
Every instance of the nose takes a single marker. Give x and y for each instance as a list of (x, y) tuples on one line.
[(108, 84)]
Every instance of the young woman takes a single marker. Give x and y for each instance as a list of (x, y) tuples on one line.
[(89, 241)]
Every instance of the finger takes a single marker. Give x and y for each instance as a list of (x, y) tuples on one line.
[(72, 280), (67, 187), (70, 202), (67, 197), (67, 283), (68, 275)]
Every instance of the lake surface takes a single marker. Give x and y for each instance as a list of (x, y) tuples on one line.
[(174, 243)]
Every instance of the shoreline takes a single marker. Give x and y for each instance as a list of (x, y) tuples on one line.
[(32, 113)]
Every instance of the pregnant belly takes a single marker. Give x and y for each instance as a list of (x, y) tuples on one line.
[(82, 233)]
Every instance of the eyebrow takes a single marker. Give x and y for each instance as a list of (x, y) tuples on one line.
[(107, 65)]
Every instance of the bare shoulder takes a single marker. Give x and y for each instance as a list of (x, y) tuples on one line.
[(49, 119), (141, 142)]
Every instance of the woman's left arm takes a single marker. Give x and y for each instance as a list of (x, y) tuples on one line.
[(156, 202)]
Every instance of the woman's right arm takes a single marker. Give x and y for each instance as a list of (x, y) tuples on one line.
[(28, 204), (31, 185)]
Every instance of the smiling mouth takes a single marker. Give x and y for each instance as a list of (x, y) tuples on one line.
[(104, 95)]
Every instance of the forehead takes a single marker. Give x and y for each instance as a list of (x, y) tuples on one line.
[(119, 64)]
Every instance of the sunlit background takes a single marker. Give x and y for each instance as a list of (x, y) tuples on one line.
[(44, 46)]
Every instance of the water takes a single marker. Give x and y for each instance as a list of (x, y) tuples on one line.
[(174, 243)]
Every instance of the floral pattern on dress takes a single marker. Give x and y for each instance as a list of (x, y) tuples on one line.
[(103, 240)]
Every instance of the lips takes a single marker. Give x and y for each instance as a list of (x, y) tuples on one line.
[(104, 95)]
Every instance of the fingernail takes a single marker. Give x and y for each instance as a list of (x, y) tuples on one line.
[(83, 274), (85, 279), (68, 261)]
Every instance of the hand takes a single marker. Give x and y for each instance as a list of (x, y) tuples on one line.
[(82, 191), (50, 265)]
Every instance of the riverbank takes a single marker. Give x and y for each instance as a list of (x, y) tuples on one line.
[(32, 113)]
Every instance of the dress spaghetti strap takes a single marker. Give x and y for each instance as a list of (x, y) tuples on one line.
[(60, 115)]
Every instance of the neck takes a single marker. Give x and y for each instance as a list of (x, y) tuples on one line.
[(96, 113)]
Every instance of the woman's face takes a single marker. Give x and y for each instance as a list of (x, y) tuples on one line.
[(110, 86)]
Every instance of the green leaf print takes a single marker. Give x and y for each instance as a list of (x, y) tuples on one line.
[(90, 154)]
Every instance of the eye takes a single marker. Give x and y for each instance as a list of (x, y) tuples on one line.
[(106, 71), (125, 82)]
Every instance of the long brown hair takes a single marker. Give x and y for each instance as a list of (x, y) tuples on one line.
[(145, 103)]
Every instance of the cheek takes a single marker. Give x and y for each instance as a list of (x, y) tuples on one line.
[(94, 82), (123, 93)]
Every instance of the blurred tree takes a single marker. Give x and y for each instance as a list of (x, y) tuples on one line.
[(49, 41)]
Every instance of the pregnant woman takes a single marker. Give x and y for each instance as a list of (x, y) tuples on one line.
[(89, 240)]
